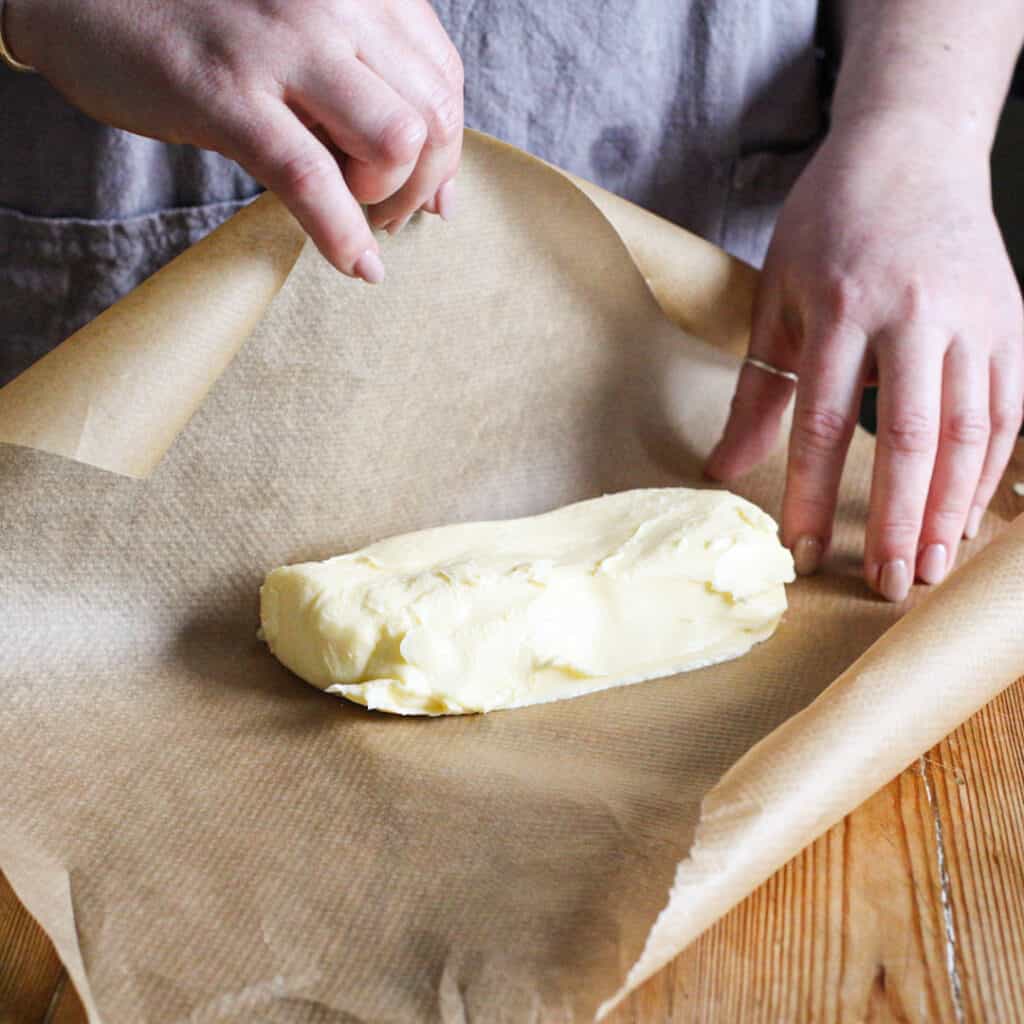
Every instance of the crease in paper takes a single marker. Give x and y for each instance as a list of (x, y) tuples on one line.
[(118, 392)]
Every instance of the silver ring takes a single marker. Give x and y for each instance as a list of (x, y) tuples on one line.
[(768, 368)]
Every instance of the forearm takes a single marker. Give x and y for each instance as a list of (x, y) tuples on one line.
[(945, 60)]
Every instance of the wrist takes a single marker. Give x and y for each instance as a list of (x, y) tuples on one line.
[(916, 129), (894, 71)]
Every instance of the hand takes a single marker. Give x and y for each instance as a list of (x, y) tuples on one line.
[(886, 260), (329, 103)]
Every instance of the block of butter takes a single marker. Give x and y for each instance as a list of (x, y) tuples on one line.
[(479, 616)]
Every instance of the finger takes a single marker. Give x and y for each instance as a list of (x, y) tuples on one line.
[(760, 398), (380, 133), (436, 94), (827, 401), (963, 441), (447, 200), (274, 146), (443, 203), (909, 391), (1005, 417)]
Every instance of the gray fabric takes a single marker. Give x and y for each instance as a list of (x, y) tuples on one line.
[(87, 212), (702, 110)]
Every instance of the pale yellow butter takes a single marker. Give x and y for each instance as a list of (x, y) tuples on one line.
[(478, 616)]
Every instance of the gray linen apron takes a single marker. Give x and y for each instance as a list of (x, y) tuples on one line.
[(704, 111)]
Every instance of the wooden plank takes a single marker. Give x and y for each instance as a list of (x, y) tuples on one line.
[(29, 968), (67, 1007), (837, 934), (871, 923)]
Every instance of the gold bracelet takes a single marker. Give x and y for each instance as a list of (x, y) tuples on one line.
[(5, 51)]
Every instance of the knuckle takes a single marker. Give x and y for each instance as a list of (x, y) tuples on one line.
[(302, 175), (898, 533), (811, 506), (968, 428), (841, 298), (909, 433), (987, 486), (948, 514), (914, 300), (444, 116), (229, 104), (1006, 417), (819, 429), (367, 188), (452, 68), (402, 138)]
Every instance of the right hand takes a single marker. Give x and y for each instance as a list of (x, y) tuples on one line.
[(329, 103)]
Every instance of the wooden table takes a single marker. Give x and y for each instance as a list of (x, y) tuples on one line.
[(911, 909)]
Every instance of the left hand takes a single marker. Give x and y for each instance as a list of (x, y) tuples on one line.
[(886, 260)]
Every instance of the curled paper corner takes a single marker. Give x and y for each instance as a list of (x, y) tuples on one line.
[(769, 805), (699, 287), (118, 392)]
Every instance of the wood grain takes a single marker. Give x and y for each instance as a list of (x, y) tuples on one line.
[(865, 925), (29, 968), (909, 910)]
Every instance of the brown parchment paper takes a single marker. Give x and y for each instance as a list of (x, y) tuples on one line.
[(208, 839)]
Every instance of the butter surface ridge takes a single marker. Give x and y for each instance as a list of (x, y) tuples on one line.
[(474, 617)]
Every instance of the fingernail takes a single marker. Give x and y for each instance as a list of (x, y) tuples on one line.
[(973, 522), (807, 555), (931, 566), (396, 225), (369, 267), (446, 204), (894, 581)]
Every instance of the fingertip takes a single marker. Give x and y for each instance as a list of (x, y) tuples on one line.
[(376, 220), (973, 524), (717, 465), (894, 581), (369, 268), (871, 571), (447, 200), (738, 453), (710, 468), (933, 563), (396, 225), (734, 454), (807, 554)]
